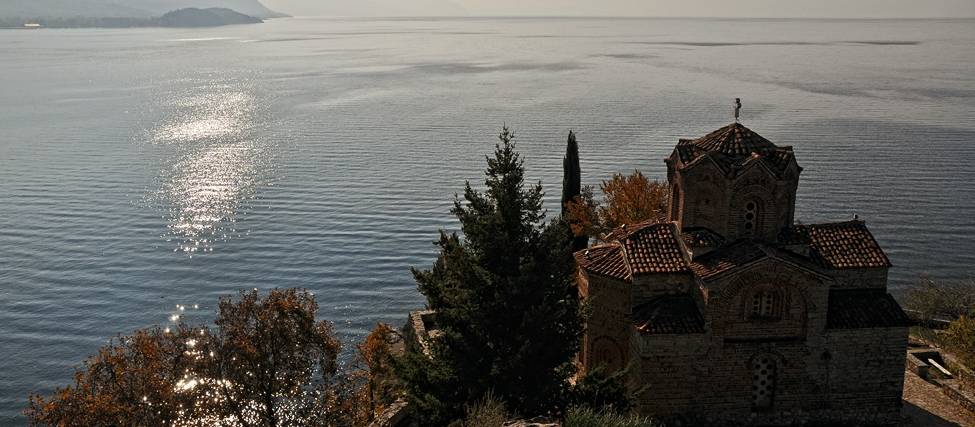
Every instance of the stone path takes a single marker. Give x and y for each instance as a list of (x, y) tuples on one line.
[(926, 406)]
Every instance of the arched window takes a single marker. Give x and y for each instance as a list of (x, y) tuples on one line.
[(766, 304), (751, 217), (763, 382), (606, 352)]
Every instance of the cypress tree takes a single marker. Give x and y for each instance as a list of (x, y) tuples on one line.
[(572, 186), (505, 300)]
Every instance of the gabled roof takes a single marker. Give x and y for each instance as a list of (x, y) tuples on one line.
[(743, 253), (864, 308), (737, 254), (655, 248), (606, 260), (646, 248), (669, 314), (838, 245)]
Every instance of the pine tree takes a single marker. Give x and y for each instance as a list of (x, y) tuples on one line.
[(572, 187), (506, 302)]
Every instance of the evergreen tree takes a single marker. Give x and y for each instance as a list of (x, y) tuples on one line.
[(572, 187), (506, 302)]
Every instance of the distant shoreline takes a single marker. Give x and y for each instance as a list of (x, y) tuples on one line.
[(180, 18)]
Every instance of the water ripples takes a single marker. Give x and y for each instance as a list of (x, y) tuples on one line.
[(143, 172), (221, 156)]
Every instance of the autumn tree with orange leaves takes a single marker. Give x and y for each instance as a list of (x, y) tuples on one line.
[(627, 199), (377, 384), (267, 362)]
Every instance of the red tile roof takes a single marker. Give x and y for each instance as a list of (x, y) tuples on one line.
[(864, 308), (606, 260), (655, 248), (729, 257), (734, 140), (670, 314), (624, 230), (734, 147), (697, 237), (645, 248), (838, 245)]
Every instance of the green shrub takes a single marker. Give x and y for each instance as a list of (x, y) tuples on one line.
[(587, 417), (960, 339), (487, 412), (942, 298), (602, 392)]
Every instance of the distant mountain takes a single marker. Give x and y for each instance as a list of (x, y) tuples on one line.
[(247, 7), (69, 9), (123, 8), (212, 17)]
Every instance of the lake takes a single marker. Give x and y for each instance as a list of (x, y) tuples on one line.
[(146, 169)]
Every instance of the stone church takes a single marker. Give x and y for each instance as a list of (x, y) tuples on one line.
[(733, 314)]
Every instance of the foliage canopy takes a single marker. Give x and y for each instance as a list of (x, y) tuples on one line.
[(505, 298), (268, 362), (627, 199)]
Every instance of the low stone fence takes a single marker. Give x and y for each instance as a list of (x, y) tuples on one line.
[(958, 386)]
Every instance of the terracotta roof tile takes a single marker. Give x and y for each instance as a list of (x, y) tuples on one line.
[(606, 260), (734, 140), (733, 147), (869, 308), (729, 257), (697, 237), (670, 314), (624, 230), (838, 245), (654, 248)]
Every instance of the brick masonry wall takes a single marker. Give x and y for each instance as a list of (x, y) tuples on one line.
[(608, 329), (866, 369), (664, 366), (865, 278), (647, 287), (853, 376), (805, 297)]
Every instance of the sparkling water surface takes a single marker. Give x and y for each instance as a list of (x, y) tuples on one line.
[(144, 173)]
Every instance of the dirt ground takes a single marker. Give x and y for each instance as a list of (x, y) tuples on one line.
[(926, 406)]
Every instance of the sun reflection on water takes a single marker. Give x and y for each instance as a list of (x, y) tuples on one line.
[(219, 157)]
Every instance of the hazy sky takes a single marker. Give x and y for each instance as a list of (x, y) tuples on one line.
[(711, 8)]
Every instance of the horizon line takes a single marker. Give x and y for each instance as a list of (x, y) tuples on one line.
[(545, 16)]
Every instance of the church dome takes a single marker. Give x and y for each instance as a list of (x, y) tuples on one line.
[(734, 140)]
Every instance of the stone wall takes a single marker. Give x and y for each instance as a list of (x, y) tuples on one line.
[(866, 368), (864, 278), (804, 298), (606, 339), (705, 197), (647, 287), (666, 372)]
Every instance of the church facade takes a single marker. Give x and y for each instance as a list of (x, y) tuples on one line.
[(731, 313)]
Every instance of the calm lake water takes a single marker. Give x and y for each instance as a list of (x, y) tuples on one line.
[(148, 168)]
